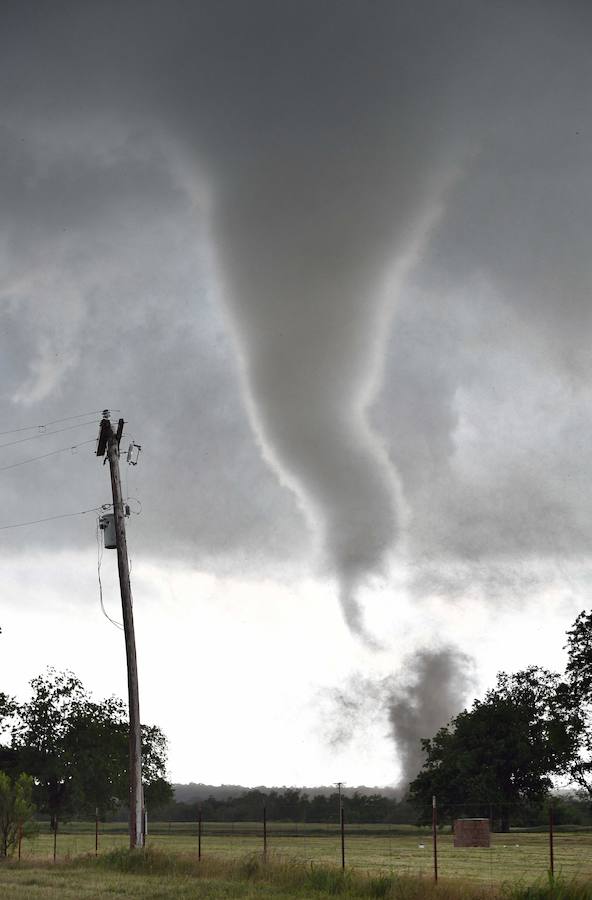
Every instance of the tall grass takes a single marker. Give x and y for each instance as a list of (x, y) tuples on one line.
[(554, 889), (322, 880), (299, 878), (253, 876)]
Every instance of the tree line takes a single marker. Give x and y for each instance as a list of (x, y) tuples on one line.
[(291, 805)]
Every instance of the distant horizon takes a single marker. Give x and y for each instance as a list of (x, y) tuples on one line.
[(194, 791), (344, 787)]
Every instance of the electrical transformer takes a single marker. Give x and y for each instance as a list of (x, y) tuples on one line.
[(107, 523)]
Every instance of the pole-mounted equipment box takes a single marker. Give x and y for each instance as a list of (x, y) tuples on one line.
[(107, 525)]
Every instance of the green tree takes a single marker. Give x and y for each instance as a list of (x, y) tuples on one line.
[(157, 789), (8, 757), (77, 749), (39, 736), (500, 752), (16, 810), (575, 694)]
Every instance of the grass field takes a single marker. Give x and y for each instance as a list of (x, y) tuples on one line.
[(157, 875), (516, 857)]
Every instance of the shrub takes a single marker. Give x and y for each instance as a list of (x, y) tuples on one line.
[(16, 810)]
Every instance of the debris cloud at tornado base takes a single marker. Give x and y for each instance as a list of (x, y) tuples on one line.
[(429, 689), (437, 687)]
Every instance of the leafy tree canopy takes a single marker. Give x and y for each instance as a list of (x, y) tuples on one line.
[(502, 751), (77, 749), (575, 694)]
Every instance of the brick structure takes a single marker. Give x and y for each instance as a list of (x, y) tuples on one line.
[(471, 833)]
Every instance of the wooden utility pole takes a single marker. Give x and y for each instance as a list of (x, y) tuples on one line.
[(109, 443)]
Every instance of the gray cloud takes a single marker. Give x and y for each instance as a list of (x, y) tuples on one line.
[(304, 145), (114, 308)]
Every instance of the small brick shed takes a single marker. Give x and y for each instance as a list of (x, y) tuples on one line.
[(471, 833)]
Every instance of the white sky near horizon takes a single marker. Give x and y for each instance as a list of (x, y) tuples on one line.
[(237, 706)]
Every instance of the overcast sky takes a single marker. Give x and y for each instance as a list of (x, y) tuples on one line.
[(330, 261)]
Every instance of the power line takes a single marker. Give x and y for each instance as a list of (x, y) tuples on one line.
[(82, 512), (33, 437), (23, 462), (93, 412)]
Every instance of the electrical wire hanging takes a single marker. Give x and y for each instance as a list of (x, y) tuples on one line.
[(34, 437), (24, 462), (93, 412), (100, 548), (82, 512)]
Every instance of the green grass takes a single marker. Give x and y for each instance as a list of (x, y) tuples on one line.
[(402, 851), (158, 875)]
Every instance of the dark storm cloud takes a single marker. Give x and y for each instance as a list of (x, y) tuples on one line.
[(311, 147), (92, 313)]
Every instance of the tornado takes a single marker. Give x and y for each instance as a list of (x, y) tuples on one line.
[(310, 262)]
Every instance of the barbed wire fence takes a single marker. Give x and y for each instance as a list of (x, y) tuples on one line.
[(459, 842)]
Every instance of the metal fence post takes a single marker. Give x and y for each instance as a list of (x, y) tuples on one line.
[(342, 817), (551, 855), (199, 834), (55, 840), (435, 836), (265, 833), (97, 831)]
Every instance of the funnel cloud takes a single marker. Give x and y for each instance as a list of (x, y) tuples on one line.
[(304, 276)]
